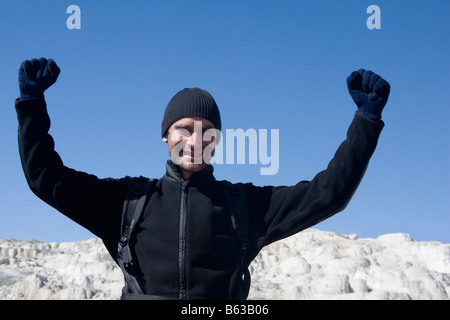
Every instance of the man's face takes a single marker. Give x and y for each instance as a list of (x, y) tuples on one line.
[(191, 143)]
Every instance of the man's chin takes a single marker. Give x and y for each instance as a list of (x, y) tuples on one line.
[(192, 167)]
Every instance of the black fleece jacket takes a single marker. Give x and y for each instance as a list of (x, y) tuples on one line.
[(207, 266)]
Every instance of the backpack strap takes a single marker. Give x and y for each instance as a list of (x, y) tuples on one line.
[(237, 204), (139, 191)]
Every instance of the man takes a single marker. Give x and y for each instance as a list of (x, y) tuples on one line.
[(184, 245)]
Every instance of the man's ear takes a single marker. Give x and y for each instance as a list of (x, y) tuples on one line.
[(165, 139)]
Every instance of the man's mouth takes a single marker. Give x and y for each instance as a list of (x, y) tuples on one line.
[(192, 156)]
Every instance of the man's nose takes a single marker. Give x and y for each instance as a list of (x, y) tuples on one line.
[(194, 139)]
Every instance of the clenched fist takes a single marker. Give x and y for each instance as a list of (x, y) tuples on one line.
[(36, 76), (369, 91)]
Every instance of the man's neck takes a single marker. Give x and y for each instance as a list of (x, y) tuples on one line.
[(186, 174), (178, 172)]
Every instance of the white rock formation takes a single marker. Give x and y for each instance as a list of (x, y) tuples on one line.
[(310, 265), (71, 270), (324, 265)]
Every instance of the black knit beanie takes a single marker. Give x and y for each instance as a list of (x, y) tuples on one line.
[(191, 102)]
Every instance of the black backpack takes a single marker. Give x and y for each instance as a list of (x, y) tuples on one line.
[(138, 193)]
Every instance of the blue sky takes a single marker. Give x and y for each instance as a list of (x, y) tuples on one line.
[(269, 65)]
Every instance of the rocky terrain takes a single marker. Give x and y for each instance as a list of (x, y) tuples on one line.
[(310, 265)]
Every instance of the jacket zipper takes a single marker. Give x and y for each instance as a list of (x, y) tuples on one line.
[(182, 242)]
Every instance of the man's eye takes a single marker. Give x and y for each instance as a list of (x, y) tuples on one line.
[(183, 132)]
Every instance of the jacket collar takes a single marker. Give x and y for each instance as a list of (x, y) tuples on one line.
[(173, 171)]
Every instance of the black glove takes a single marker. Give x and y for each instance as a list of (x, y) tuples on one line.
[(36, 76), (369, 91)]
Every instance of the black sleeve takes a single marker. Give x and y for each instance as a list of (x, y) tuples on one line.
[(94, 203), (278, 212)]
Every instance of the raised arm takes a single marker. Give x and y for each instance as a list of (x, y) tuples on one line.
[(279, 212), (91, 202)]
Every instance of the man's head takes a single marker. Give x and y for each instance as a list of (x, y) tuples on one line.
[(189, 128)]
